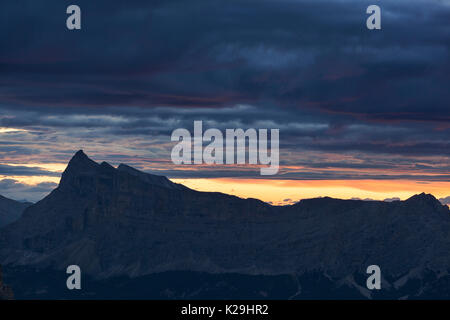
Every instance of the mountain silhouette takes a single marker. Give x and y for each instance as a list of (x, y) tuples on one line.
[(10, 210), (123, 222)]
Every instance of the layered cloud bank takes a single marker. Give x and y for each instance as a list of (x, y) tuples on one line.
[(350, 104)]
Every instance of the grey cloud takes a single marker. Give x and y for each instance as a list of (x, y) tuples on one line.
[(25, 171), (19, 191)]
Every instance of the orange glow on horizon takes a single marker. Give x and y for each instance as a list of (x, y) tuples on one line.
[(289, 191), (281, 192), (31, 180)]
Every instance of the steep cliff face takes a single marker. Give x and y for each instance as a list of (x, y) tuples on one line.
[(111, 221), (121, 221), (6, 292)]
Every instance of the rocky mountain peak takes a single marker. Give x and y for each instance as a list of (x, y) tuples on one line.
[(80, 164), (425, 199), (82, 172)]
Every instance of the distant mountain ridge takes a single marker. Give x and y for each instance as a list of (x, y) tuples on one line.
[(123, 222), (11, 210)]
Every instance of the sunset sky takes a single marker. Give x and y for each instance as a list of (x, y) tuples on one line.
[(362, 114)]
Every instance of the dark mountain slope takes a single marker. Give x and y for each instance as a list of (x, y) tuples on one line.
[(118, 222), (11, 210), (5, 291)]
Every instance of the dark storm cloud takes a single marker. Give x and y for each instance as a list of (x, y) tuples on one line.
[(140, 69), (299, 54)]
